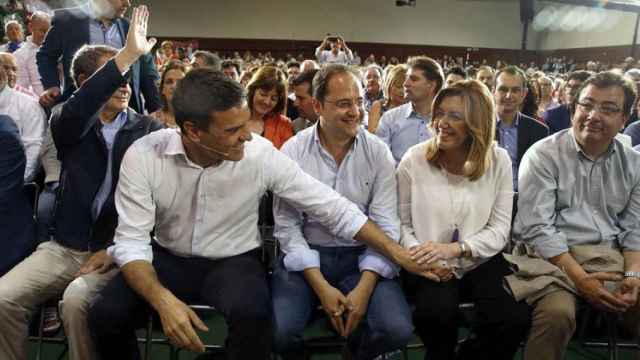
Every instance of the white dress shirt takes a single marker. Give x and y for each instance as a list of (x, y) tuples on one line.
[(343, 57), (432, 203), (31, 121), (212, 212), (28, 75)]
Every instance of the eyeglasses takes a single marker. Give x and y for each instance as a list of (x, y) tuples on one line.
[(347, 104), (452, 115), (601, 108)]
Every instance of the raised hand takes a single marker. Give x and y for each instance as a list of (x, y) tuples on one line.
[(137, 42)]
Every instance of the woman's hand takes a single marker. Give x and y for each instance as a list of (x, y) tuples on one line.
[(432, 251)]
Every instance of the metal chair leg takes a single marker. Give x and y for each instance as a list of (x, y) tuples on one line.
[(148, 338), (612, 333)]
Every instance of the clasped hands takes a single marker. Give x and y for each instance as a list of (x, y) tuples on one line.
[(345, 312), (592, 288)]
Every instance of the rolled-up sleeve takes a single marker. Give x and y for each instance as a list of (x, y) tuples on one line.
[(536, 217), (136, 210), (33, 131), (383, 210), (306, 194)]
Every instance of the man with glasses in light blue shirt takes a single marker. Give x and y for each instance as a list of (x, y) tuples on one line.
[(406, 125), (581, 186), (321, 268)]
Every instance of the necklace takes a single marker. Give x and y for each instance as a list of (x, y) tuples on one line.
[(455, 215)]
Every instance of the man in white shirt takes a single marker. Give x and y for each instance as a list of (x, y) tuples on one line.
[(339, 53), (199, 190), (28, 75), (28, 116)]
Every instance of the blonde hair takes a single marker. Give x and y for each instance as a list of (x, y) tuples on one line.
[(479, 117), (397, 73)]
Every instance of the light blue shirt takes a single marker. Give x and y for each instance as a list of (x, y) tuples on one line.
[(567, 199), (401, 128), (366, 177), (109, 131), (101, 35), (508, 140)]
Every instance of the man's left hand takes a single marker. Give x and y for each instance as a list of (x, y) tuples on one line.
[(358, 300), (628, 290), (99, 261)]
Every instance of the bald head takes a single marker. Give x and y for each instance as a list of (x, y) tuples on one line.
[(38, 26), (10, 67), (308, 65)]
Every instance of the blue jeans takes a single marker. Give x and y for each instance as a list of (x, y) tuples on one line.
[(387, 325)]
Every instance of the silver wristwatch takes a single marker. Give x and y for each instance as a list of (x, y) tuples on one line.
[(634, 274)]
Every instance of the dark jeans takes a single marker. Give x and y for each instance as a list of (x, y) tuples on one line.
[(235, 286), (502, 323), (385, 327)]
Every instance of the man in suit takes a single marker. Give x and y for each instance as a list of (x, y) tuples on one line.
[(559, 117), (92, 131), (16, 215), (515, 131), (97, 22)]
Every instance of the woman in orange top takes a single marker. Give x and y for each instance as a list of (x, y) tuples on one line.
[(267, 97)]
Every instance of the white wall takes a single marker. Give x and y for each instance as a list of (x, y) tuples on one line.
[(580, 27), (492, 24)]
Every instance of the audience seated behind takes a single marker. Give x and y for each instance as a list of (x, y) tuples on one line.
[(449, 231)]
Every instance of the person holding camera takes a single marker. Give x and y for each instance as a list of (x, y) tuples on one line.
[(339, 53)]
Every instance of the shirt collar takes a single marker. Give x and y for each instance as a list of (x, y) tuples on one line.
[(516, 121), (610, 150), (118, 122), (174, 145), (315, 138)]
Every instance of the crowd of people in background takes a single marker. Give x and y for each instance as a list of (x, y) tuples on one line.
[(156, 163)]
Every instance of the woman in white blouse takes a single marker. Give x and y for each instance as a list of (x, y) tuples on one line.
[(455, 198)]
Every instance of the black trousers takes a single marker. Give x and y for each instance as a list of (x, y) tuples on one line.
[(235, 286), (502, 323)]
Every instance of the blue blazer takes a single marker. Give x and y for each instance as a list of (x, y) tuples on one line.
[(69, 32), (557, 118), (16, 213)]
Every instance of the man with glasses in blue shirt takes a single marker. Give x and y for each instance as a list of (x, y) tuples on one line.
[(319, 268), (581, 186)]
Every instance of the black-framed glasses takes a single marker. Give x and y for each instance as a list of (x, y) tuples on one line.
[(605, 109)]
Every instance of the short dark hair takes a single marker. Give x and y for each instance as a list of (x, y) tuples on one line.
[(430, 68), (210, 59), (201, 93), (321, 80), (513, 71), (457, 70), (580, 75), (230, 63), (305, 77), (608, 79), (291, 64), (85, 61)]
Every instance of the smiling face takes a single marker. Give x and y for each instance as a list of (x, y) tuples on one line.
[(372, 82), (119, 101), (509, 94), (598, 116), (342, 110), (264, 101), (449, 124)]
